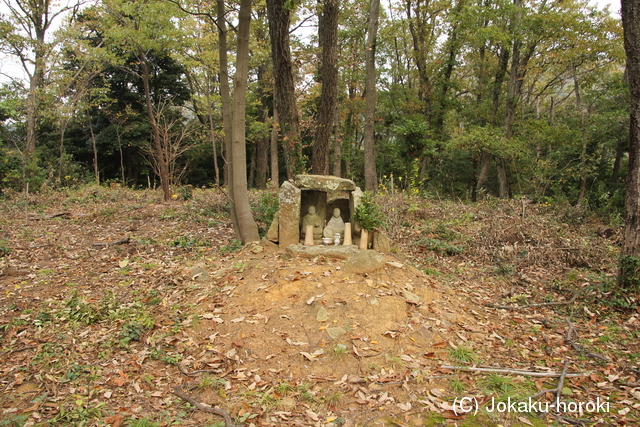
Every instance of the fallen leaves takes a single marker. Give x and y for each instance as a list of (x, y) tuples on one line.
[(240, 332), (312, 356)]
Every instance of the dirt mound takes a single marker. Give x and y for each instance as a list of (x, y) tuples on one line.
[(296, 320)]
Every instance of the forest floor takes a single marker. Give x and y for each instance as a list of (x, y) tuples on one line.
[(116, 310)]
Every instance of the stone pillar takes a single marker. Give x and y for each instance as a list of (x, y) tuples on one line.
[(354, 200), (289, 219)]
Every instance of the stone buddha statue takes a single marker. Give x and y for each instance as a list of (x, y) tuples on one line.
[(335, 224), (312, 218)]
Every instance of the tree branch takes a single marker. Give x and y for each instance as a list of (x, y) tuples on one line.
[(559, 386), (177, 390), (579, 348), (513, 371)]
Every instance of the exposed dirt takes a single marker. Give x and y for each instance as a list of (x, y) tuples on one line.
[(104, 309)]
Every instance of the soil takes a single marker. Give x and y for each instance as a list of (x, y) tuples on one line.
[(109, 300)]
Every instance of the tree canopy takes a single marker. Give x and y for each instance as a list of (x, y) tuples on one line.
[(472, 98)]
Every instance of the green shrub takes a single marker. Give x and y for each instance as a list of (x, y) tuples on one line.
[(368, 213), (265, 210)]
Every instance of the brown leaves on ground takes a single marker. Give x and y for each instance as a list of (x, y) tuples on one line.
[(103, 310)]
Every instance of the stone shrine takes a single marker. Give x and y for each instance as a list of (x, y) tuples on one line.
[(325, 195)]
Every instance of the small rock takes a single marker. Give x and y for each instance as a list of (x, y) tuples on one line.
[(256, 249), (450, 317), (323, 314), (272, 234), (373, 301), (335, 332), (395, 264), (424, 332), (374, 387), (288, 402), (411, 297), (198, 273), (364, 262), (381, 242)]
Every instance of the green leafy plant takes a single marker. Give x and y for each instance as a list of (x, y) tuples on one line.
[(457, 386), (142, 422), (15, 420), (267, 207), (233, 246), (368, 213), (79, 310), (80, 414), (333, 399), (185, 192), (284, 388), (130, 331), (629, 272), (339, 351), (440, 246), (5, 249), (463, 355), (188, 242), (498, 383)]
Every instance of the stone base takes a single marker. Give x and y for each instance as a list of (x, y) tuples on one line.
[(340, 251), (319, 243)]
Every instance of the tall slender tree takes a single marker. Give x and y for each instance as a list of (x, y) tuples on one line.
[(146, 30), (328, 76), (629, 270), (370, 175), (246, 224), (24, 35), (279, 16)]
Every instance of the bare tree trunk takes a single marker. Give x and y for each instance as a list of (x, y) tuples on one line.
[(63, 128), (628, 273), (328, 40), (583, 133), (513, 92), (96, 170), (32, 108), (275, 170), (513, 96), (35, 80), (212, 135), (337, 144), (262, 162), (162, 167), (119, 138), (420, 28), (370, 174), (284, 86), (262, 141), (483, 176), (246, 224), (349, 133), (497, 83), (615, 173), (520, 56), (225, 95), (503, 179)]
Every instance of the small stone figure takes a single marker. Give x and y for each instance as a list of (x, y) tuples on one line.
[(335, 225), (312, 218)]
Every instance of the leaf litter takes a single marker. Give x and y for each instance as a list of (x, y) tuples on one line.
[(103, 334)]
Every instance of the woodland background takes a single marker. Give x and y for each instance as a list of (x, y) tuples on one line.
[(473, 98)]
